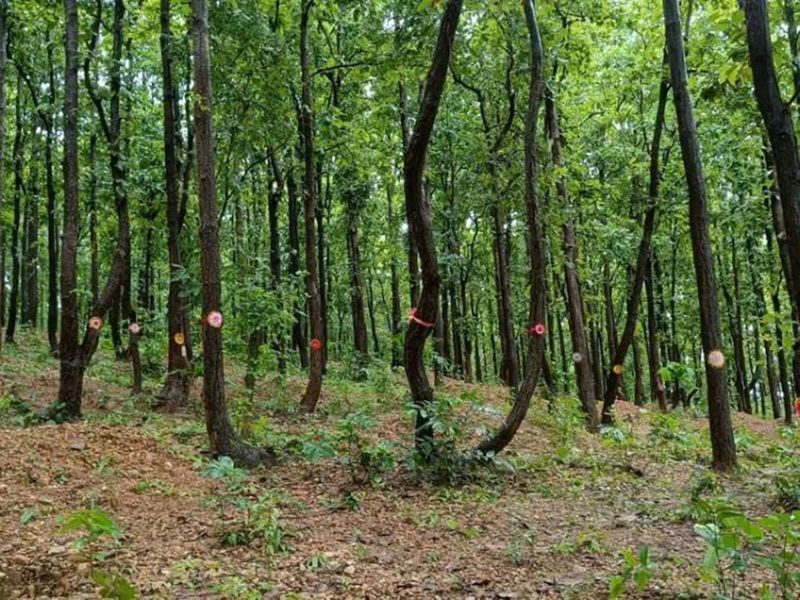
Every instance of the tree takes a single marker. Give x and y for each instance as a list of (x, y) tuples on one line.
[(779, 124), (71, 374), (722, 442), (641, 268), (176, 387), (537, 309), (222, 437), (575, 308), (426, 312), (316, 360)]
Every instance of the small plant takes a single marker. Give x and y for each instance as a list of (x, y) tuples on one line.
[(516, 553), (260, 522), (316, 562), (29, 515), (637, 568), (113, 586), (734, 543), (726, 558), (96, 524), (104, 466), (788, 491), (154, 486), (365, 461)]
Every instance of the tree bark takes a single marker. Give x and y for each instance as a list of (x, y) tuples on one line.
[(222, 437), (316, 360), (275, 250), (3, 44), (780, 130), (71, 371), (396, 312), (421, 230), (175, 393), (722, 442), (298, 329), (641, 269), (577, 327), (537, 274), (18, 184), (657, 390), (354, 196), (31, 253)]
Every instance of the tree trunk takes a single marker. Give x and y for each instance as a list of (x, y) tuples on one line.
[(275, 251), (642, 267), (411, 248), (420, 228), (354, 197), (780, 130), (773, 204), (638, 384), (580, 345), (722, 442), (657, 390), (396, 313), (316, 362), (3, 43), (222, 437), (298, 329), (175, 393), (94, 252), (31, 253), (71, 372), (18, 184), (537, 308)]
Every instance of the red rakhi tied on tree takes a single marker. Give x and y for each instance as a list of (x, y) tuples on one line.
[(412, 316), (537, 329)]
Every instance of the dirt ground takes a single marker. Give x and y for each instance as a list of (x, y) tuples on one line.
[(538, 528)]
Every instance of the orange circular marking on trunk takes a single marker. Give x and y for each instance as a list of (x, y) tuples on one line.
[(178, 338), (316, 345), (716, 359), (617, 369), (95, 323)]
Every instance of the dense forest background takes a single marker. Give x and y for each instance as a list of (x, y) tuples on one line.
[(577, 203), (603, 67)]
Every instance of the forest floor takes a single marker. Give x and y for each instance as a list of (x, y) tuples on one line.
[(345, 513)]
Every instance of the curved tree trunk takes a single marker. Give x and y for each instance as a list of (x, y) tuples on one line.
[(420, 227), (537, 310)]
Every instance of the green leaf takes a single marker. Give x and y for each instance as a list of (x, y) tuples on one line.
[(114, 586), (616, 587)]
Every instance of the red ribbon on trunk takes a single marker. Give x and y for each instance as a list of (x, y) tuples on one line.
[(412, 316)]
